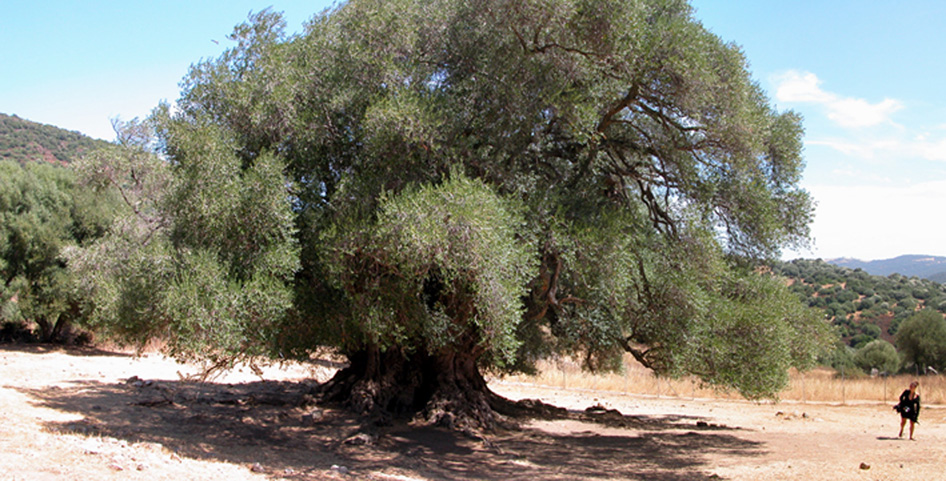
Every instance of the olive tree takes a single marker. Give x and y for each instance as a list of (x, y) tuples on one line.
[(878, 354), (201, 254), (43, 212), (479, 185), (922, 340)]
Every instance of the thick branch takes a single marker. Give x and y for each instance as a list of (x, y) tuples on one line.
[(640, 355)]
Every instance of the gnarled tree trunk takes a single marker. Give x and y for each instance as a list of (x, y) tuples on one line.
[(444, 389)]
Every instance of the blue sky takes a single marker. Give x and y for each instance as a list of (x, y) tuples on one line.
[(866, 75)]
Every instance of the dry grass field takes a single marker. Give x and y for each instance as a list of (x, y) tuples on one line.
[(88, 414), (818, 385)]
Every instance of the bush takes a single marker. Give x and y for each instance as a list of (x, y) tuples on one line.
[(921, 293), (878, 354), (841, 359), (922, 339), (865, 304), (847, 296), (860, 340), (908, 304), (901, 294)]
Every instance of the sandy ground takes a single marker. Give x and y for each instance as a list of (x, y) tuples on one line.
[(85, 414)]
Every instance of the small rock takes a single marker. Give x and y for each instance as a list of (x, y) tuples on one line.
[(339, 469), (359, 439), (257, 468), (115, 467), (702, 424), (312, 417), (140, 467), (865, 466)]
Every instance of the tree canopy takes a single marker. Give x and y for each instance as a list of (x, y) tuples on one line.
[(41, 213), (922, 340), (878, 354), (201, 253), (477, 185)]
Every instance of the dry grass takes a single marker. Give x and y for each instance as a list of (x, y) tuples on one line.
[(820, 385), (825, 385)]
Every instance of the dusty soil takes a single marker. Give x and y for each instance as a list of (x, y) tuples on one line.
[(87, 414)]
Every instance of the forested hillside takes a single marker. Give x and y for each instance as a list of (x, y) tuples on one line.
[(864, 306), (22, 141)]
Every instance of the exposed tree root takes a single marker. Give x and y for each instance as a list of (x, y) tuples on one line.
[(443, 390)]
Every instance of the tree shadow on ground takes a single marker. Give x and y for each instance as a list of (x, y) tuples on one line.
[(277, 425), (71, 349)]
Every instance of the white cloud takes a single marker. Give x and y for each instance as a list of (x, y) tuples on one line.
[(805, 87), (890, 148), (930, 150), (859, 113), (877, 194), (795, 86), (869, 149)]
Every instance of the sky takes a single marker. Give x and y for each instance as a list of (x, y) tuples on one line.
[(866, 75)]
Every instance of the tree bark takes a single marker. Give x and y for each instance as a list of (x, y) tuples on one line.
[(46, 329), (444, 389)]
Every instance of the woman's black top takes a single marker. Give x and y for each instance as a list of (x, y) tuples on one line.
[(909, 408)]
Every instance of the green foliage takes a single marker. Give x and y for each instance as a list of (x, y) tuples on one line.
[(878, 354), (841, 359), (41, 213), (879, 304), (446, 264), (203, 253), (922, 340), (756, 322), (499, 178)]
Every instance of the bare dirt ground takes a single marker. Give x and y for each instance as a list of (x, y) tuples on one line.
[(86, 414)]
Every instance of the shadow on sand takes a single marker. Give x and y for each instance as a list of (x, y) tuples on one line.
[(277, 425), (72, 350)]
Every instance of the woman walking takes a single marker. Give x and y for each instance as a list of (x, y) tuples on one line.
[(909, 408)]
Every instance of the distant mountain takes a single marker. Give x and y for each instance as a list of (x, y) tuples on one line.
[(927, 267), (24, 141)]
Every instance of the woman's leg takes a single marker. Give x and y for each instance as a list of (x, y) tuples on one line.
[(912, 423), (903, 421)]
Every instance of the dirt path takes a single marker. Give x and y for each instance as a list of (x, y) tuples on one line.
[(94, 415), (789, 440)]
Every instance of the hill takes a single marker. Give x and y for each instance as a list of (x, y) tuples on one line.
[(927, 267), (24, 141), (863, 306)]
